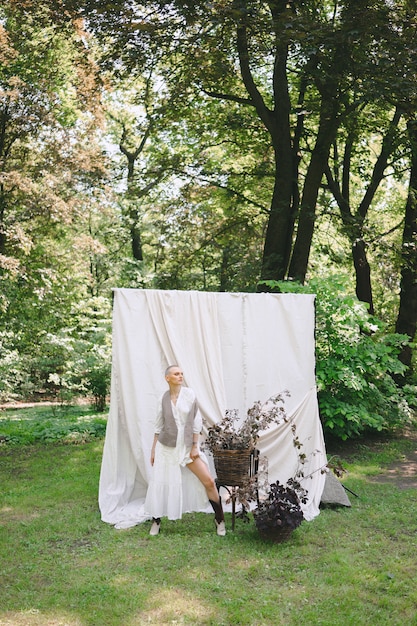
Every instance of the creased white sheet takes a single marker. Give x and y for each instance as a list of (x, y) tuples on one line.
[(234, 349)]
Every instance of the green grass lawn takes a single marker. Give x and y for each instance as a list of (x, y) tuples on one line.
[(60, 565)]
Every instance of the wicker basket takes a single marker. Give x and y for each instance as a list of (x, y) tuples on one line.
[(232, 466)]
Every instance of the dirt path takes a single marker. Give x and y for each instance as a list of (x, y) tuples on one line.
[(402, 473)]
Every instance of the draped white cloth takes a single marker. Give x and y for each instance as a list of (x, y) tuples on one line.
[(234, 349)]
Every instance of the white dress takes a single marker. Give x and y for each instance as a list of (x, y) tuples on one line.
[(173, 489)]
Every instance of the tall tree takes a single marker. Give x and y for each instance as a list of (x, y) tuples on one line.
[(141, 127), (405, 90), (407, 314), (48, 158), (294, 65), (340, 176)]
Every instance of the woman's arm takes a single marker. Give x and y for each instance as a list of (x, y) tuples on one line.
[(155, 439), (159, 422)]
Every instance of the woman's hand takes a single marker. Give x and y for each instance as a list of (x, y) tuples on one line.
[(195, 452)]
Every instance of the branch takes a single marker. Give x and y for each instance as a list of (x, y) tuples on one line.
[(230, 97), (342, 203), (380, 165), (247, 77), (388, 232), (132, 156), (237, 194)]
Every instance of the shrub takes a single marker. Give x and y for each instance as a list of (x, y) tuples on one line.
[(63, 363), (98, 383), (51, 424), (10, 374)]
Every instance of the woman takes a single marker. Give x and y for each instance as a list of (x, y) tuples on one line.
[(177, 461)]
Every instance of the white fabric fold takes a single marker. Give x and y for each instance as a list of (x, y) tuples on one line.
[(234, 349)]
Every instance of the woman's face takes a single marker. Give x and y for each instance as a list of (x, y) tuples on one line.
[(175, 376)]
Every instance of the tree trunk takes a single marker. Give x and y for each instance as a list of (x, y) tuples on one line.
[(329, 123), (132, 194), (279, 232), (363, 274), (136, 240), (2, 228), (407, 314)]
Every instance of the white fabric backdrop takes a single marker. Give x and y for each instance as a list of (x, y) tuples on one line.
[(234, 349)]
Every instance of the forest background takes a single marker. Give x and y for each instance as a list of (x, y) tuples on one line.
[(223, 146)]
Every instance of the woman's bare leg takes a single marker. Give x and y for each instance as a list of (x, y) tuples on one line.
[(200, 469)]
